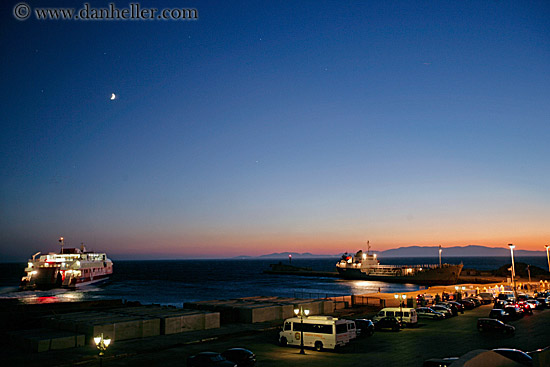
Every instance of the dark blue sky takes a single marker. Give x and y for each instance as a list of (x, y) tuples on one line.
[(277, 126)]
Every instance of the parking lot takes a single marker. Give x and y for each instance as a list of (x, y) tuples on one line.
[(408, 347)]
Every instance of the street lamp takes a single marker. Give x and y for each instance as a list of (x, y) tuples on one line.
[(547, 257), (401, 298), (439, 255), (513, 270), (102, 345), (301, 312)]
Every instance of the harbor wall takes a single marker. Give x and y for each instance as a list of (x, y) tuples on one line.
[(251, 310), (133, 322)]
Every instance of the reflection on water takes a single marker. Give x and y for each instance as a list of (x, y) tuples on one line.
[(368, 286)]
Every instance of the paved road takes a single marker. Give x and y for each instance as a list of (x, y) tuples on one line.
[(409, 347)]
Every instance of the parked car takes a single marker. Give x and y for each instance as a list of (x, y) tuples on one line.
[(486, 298), (429, 313), (365, 327), (535, 304), (494, 325), (467, 304), (387, 323), (442, 309), (525, 307), (515, 355), (499, 303), (450, 306), (477, 300), (499, 314), (544, 301), (209, 359), (458, 305), (241, 356), (514, 311)]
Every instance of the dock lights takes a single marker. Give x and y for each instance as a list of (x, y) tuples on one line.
[(301, 312), (401, 298), (102, 344), (513, 270)]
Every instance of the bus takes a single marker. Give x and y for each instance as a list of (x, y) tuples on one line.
[(320, 332)]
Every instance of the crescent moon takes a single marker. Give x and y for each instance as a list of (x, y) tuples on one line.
[(113, 96)]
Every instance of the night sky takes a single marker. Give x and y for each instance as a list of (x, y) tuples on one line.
[(270, 126)]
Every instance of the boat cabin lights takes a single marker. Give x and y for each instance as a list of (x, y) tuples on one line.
[(349, 261), (375, 256), (364, 256), (29, 265)]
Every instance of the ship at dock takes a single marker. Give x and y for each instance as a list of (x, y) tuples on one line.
[(71, 268), (366, 266)]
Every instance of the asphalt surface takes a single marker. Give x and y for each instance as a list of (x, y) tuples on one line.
[(408, 347)]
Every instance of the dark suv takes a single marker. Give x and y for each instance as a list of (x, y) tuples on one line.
[(486, 324), (497, 313), (364, 327)]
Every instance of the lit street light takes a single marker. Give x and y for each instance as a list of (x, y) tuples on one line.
[(439, 255), (301, 312), (513, 270), (547, 257), (401, 298), (102, 345)]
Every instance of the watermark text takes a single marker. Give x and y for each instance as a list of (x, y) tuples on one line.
[(134, 11)]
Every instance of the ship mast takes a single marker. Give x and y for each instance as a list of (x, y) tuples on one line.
[(62, 243), (368, 247)]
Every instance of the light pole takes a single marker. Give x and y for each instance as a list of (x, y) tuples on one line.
[(513, 270), (547, 257), (401, 298), (102, 345), (301, 312), (439, 255)]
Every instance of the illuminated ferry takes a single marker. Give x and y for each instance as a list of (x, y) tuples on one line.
[(71, 268), (366, 266)]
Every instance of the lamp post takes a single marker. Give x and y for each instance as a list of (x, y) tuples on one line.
[(547, 257), (62, 240), (102, 345), (401, 298), (439, 255), (301, 312), (513, 270)]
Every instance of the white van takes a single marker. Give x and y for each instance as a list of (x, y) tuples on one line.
[(320, 332), (408, 315), (352, 330)]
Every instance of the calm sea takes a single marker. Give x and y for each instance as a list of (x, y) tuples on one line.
[(173, 282)]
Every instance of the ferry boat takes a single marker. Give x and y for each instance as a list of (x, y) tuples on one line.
[(71, 268), (366, 266)]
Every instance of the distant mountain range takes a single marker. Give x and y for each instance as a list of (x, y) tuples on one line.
[(413, 251)]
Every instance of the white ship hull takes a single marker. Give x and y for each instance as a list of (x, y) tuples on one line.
[(72, 268)]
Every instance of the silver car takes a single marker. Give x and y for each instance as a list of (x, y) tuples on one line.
[(429, 313)]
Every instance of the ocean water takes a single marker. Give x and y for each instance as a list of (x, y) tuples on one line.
[(173, 282)]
